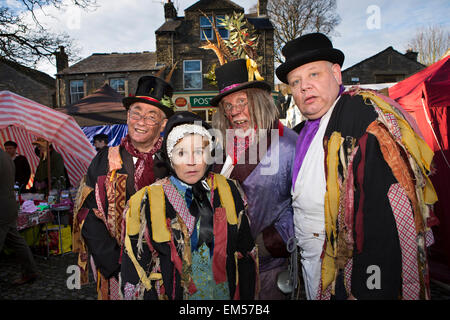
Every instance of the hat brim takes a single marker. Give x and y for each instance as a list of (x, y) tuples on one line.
[(328, 54), (128, 101), (251, 84)]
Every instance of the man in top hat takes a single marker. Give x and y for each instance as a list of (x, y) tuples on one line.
[(23, 170), (361, 194), (261, 161), (114, 175)]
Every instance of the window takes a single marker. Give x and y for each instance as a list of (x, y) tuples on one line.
[(76, 90), (118, 85), (206, 28), (221, 27), (192, 74)]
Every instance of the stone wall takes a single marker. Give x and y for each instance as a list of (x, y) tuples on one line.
[(186, 44), (19, 83)]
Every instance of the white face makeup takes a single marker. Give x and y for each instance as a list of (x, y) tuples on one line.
[(190, 157)]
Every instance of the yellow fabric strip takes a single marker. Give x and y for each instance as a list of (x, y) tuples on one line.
[(158, 214), (140, 271), (331, 209), (226, 198), (133, 214), (416, 146)]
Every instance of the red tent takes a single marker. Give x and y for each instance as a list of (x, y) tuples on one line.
[(426, 96)]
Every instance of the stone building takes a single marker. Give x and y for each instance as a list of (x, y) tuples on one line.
[(179, 39), (27, 82), (386, 66), (178, 42), (121, 71)]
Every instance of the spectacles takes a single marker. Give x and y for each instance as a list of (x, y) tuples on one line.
[(240, 105), (150, 120)]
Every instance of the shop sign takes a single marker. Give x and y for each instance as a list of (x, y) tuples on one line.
[(180, 102), (200, 101)]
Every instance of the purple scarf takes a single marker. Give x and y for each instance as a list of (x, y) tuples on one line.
[(304, 140)]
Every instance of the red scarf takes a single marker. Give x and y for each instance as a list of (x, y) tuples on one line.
[(143, 169)]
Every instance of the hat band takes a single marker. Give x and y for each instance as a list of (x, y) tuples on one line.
[(148, 98), (230, 87)]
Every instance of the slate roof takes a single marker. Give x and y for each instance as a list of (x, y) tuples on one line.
[(38, 76), (114, 62), (170, 25), (381, 53), (203, 4)]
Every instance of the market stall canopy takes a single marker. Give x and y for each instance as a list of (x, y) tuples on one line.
[(104, 106), (23, 120)]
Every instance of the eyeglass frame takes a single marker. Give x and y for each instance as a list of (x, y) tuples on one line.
[(138, 117), (228, 107)]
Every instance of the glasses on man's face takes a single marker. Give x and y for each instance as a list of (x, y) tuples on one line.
[(240, 105), (149, 120)]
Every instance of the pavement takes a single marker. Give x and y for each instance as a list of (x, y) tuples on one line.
[(55, 282)]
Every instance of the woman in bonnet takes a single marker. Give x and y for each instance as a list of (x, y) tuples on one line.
[(187, 236)]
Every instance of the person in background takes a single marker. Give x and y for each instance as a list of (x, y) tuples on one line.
[(8, 222), (361, 191), (58, 173), (100, 141), (113, 176), (23, 170)]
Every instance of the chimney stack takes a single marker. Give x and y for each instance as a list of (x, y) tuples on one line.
[(412, 55), (170, 13), (62, 60), (262, 8)]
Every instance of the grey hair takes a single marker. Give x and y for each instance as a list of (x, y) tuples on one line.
[(262, 110)]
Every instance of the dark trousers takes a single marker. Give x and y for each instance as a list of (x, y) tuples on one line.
[(12, 238)]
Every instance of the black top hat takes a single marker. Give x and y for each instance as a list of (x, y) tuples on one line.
[(151, 90), (307, 48), (232, 77)]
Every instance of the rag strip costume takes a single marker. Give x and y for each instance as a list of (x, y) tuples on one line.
[(164, 258), (113, 176), (362, 202), (268, 195), (186, 241)]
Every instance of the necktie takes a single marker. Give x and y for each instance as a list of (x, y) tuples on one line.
[(303, 142)]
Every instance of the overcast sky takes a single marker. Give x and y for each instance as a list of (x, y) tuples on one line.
[(367, 26)]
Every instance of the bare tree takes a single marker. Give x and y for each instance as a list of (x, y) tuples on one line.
[(431, 43), (28, 42), (292, 18)]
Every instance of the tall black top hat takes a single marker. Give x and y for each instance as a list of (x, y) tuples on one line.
[(151, 90), (307, 48), (232, 77)]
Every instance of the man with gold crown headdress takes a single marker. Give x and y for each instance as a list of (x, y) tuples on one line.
[(259, 155)]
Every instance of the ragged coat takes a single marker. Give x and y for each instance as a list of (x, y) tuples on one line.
[(157, 261), (377, 202), (98, 211)]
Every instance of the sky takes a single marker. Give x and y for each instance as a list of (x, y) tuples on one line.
[(366, 28)]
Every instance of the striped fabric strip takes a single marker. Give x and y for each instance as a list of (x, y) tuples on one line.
[(404, 219)]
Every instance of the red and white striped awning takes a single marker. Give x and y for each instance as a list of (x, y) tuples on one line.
[(23, 120)]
